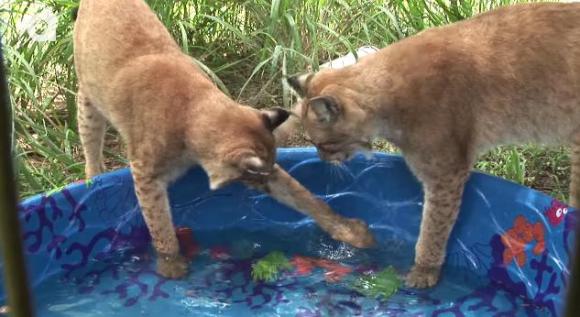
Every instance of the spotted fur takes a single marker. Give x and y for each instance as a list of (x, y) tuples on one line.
[(133, 75), (447, 94)]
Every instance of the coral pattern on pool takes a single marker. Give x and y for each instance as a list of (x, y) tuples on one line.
[(89, 254)]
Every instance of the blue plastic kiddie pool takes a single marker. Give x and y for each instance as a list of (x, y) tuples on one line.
[(89, 253)]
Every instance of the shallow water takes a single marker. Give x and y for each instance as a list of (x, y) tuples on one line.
[(126, 285)]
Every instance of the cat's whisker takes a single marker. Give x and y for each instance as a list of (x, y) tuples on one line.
[(331, 169), (337, 170)]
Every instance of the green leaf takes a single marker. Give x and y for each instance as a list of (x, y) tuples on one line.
[(268, 268), (383, 284)]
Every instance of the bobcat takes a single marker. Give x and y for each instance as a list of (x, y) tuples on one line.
[(133, 74), (445, 95)]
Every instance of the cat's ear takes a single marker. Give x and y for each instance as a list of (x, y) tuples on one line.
[(325, 108), (274, 117), (254, 165), (299, 83), (290, 127)]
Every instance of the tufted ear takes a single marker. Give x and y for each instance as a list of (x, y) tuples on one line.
[(274, 117), (290, 127), (299, 83), (325, 108)]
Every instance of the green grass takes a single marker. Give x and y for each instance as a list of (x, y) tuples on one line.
[(544, 169), (249, 45)]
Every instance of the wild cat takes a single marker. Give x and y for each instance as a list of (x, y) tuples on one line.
[(133, 74), (447, 94)]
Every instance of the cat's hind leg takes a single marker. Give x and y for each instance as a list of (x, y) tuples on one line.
[(91, 126)]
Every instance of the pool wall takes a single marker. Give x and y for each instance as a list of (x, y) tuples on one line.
[(517, 237)]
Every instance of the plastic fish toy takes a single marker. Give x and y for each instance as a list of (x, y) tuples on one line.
[(383, 284), (189, 248), (334, 271), (219, 253)]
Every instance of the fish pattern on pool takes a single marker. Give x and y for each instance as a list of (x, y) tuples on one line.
[(509, 252)]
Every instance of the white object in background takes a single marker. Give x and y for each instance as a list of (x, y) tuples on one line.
[(349, 59), (40, 23), (4, 310)]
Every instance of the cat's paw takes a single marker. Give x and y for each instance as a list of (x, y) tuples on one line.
[(172, 266), (423, 276), (354, 232)]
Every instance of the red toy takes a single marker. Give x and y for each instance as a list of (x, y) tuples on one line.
[(334, 271), (219, 253), (189, 248), (556, 213)]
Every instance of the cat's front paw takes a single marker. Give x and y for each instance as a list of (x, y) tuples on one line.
[(172, 266), (423, 276), (354, 232)]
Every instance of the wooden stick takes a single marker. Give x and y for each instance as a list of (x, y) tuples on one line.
[(10, 237)]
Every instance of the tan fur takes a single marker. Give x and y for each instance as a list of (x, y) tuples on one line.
[(509, 76), (289, 191), (132, 74)]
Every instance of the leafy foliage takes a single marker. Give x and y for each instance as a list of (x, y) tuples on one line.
[(245, 46), (383, 284), (268, 268)]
